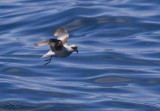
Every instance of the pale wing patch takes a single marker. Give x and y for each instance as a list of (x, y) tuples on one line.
[(43, 42), (61, 34)]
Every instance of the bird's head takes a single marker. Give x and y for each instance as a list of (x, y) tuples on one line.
[(74, 48)]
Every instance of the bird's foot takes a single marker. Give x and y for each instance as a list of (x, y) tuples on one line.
[(49, 60), (47, 63)]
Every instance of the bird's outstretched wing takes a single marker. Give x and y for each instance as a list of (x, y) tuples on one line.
[(42, 42), (61, 34), (53, 43)]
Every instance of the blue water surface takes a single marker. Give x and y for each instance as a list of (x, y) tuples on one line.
[(117, 68)]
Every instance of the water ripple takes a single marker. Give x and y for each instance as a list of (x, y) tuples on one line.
[(117, 67)]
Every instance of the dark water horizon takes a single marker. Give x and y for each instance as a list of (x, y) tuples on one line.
[(117, 68)]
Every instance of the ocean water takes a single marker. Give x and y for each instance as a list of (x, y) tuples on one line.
[(117, 68)]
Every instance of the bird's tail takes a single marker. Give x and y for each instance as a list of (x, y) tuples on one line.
[(49, 53)]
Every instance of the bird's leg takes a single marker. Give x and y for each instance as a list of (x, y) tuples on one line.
[(49, 60)]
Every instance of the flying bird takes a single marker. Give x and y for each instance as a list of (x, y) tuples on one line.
[(59, 47)]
